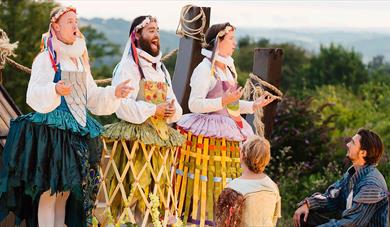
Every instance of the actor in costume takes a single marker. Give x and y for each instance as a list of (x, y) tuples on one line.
[(211, 156), (359, 198), (252, 191), (51, 156), (145, 144)]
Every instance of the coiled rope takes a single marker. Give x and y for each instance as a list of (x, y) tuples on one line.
[(253, 89), (185, 30)]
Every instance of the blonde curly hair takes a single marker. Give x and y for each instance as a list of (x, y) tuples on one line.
[(256, 153)]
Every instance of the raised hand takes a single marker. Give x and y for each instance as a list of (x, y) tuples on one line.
[(122, 90), (263, 100), (62, 89), (231, 96)]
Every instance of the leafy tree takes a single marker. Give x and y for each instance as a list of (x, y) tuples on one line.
[(376, 62), (24, 21), (295, 59), (99, 47), (299, 128), (336, 65), (243, 56), (369, 109), (379, 70)]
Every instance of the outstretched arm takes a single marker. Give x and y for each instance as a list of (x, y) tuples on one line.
[(132, 110)]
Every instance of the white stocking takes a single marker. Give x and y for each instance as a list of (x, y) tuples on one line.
[(46, 209), (60, 209)]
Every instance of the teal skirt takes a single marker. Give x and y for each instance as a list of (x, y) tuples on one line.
[(50, 152)]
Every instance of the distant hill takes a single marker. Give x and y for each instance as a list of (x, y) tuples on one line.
[(117, 30), (368, 43)]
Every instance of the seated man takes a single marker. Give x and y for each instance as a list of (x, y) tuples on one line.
[(360, 197)]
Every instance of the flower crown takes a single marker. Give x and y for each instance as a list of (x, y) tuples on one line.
[(227, 29), (61, 12), (145, 22)]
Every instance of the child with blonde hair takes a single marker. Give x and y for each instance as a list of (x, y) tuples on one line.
[(252, 199)]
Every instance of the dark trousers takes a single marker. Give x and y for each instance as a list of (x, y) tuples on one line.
[(314, 219)]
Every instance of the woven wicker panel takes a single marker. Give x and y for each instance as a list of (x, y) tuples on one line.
[(205, 165), (130, 171)]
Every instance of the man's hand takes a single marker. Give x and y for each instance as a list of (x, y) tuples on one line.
[(161, 109), (304, 209), (231, 96), (62, 89), (166, 109), (122, 90), (170, 111)]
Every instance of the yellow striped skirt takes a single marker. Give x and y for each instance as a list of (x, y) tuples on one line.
[(205, 165)]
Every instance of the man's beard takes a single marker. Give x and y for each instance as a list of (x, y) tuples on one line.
[(146, 45)]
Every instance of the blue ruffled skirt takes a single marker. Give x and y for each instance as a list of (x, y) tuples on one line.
[(50, 152)]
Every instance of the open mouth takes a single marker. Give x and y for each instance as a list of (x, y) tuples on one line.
[(154, 43)]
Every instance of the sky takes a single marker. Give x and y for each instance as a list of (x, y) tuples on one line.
[(313, 14)]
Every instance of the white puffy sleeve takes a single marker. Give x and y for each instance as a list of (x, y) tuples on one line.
[(246, 107), (201, 83), (41, 92), (131, 110), (101, 100), (170, 96)]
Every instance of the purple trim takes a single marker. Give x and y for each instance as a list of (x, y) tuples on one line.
[(197, 222)]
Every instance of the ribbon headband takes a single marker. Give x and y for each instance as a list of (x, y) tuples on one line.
[(227, 29), (61, 12), (145, 22)]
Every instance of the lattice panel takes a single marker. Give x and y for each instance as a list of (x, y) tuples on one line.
[(130, 171)]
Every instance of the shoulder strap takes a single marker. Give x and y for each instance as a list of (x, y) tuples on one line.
[(232, 72), (165, 70)]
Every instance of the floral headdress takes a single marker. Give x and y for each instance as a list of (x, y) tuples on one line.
[(61, 12), (220, 34), (47, 38), (132, 40)]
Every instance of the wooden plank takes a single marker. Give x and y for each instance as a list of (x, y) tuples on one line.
[(267, 64), (9, 104), (6, 107), (188, 58), (4, 126), (8, 111)]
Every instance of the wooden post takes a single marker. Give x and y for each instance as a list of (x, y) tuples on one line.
[(188, 58), (267, 64), (8, 111)]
